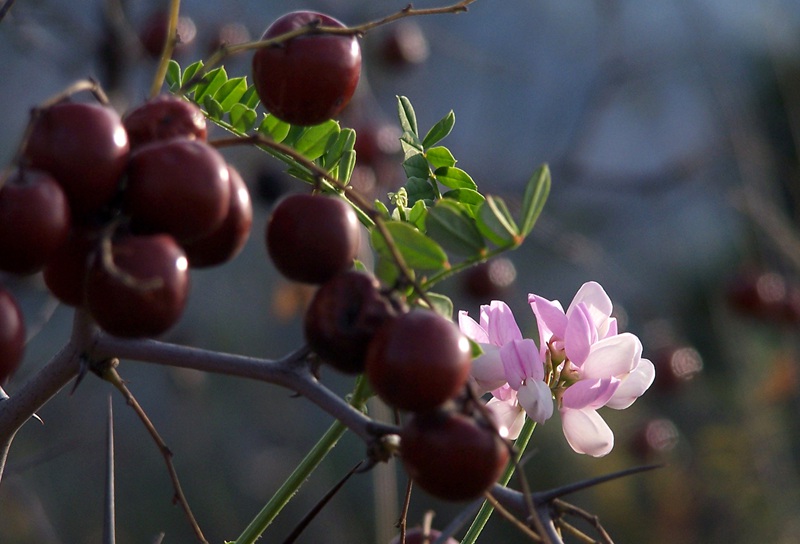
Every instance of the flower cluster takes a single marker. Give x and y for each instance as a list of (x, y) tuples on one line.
[(581, 364)]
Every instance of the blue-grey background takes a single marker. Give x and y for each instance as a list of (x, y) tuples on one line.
[(664, 124)]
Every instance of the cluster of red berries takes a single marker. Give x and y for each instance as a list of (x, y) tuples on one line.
[(114, 211), (415, 360)]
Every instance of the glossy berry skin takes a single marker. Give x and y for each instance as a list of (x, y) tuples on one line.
[(342, 318), (180, 187), (228, 239), (85, 148), (450, 455), (66, 271), (155, 298), (418, 360), (163, 117), (153, 34), (417, 536), (312, 238), (12, 335), (308, 79), (34, 220)]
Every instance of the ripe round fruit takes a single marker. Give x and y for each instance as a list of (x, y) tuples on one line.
[(227, 240), (308, 79), (418, 360), (163, 117), (84, 147), (153, 34), (66, 271), (342, 318), (312, 238), (450, 455), (34, 220), (180, 187), (147, 293), (12, 335), (417, 536)]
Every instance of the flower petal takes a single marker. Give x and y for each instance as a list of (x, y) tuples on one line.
[(502, 327), (550, 319), (633, 386), (589, 394), (594, 297), (537, 400), (521, 361), (487, 369), (612, 356), (509, 417), (580, 334), (471, 329), (587, 432)]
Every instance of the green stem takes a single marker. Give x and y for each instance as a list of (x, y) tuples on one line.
[(456, 268), (486, 509), (300, 474)]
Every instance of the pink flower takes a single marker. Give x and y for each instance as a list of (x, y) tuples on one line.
[(596, 366)]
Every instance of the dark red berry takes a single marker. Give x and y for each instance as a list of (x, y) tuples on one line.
[(418, 360), (84, 147), (342, 318), (227, 240), (489, 280), (144, 291), (34, 220), (153, 34), (450, 455), (66, 271), (312, 238), (12, 335), (405, 45), (163, 117), (308, 79), (180, 187)]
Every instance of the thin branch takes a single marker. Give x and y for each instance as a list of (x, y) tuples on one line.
[(169, 46), (109, 373), (510, 517), (109, 523), (5, 8)]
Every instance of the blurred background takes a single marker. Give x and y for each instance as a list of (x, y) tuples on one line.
[(672, 131)]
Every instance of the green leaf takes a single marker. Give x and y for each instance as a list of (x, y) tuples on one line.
[(416, 215), (455, 178), (418, 251), (440, 130), (210, 83), (534, 198), (173, 77), (242, 118), (250, 97), (416, 166), (386, 270), (381, 208), (440, 157), (189, 73), (420, 189), (410, 144), (230, 92), (454, 228), (442, 304), (408, 119), (314, 140), (346, 165), (496, 224), (274, 128), (212, 107), (468, 197), (344, 141)]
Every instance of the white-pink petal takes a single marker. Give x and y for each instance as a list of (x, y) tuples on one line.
[(521, 361), (589, 394), (500, 323), (536, 399), (470, 328), (580, 334), (633, 386), (508, 415), (550, 318), (594, 297), (487, 369), (587, 432), (612, 356)]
